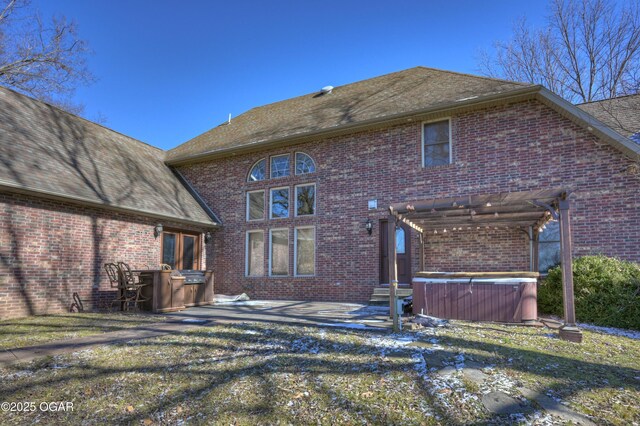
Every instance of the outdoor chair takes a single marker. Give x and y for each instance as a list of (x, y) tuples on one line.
[(133, 285), (115, 279)]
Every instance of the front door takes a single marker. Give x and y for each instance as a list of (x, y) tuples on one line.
[(403, 253)]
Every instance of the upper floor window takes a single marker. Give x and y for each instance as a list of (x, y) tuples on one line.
[(255, 205), (304, 164), (436, 143), (279, 203), (279, 166), (258, 171), (305, 199)]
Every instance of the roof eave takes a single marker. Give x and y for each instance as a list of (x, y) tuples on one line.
[(51, 195), (521, 93)]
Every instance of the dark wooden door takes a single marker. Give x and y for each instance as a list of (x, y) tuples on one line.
[(403, 253)]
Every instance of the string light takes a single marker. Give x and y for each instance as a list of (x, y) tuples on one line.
[(488, 204)]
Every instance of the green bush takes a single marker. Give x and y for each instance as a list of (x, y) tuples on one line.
[(607, 292)]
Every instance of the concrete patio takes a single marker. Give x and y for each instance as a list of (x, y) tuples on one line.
[(323, 314)]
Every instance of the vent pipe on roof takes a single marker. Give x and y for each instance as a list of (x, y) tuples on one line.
[(326, 89)]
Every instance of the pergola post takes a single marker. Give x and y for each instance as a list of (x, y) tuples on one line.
[(393, 267), (569, 331), (422, 238)]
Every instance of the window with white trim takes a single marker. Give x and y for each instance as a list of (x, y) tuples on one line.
[(255, 254), (255, 205), (304, 164), (305, 199), (436, 143), (279, 166), (279, 252), (305, 251), (258, 171), (279, 202)]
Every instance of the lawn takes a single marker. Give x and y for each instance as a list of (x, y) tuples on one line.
[(253, 373), (35, 330)]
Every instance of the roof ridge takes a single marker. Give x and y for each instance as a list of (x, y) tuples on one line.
[(609, 99), (522, 83), (80, 117)]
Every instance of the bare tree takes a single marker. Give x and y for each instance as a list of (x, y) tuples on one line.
[(44, 60), (588, 50)]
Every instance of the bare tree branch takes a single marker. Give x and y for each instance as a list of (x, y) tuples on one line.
[(44, 60), (588, 50)]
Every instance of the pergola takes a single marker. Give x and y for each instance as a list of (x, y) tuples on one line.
[(527, 210)]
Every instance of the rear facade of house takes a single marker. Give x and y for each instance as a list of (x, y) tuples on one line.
[(287, 190)]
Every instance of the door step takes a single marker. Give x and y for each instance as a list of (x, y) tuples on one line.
[(381, 295)]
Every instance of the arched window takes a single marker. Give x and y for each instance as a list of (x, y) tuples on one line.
[(258, 171), (304, 164)]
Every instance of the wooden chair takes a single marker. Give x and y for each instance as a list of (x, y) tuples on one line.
[(132, 284), (115, 279)]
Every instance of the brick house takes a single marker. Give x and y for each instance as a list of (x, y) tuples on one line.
[(295, 184)]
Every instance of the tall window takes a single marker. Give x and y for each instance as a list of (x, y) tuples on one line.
[(400, 244), (255, 254), (304, 164), (279, 166), (258, 171), (305, 200), (255, 205), (305, 254), (279, 252), (279, 203), (549, 247), (436, 145)]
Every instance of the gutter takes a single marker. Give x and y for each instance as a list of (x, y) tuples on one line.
[(528, 91), (51, 195)]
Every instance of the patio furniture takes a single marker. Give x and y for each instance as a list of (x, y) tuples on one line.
[(132, 284), (115, 279)]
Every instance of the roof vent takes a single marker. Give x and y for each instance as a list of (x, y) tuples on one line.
[(326, 89)]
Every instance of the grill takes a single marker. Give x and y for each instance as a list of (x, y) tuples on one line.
[(193, 277)]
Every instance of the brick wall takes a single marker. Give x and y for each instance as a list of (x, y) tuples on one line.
[(517, 147), (51, 249)]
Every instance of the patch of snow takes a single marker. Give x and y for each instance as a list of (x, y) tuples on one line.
[(243, 303), (194, 320), (611, 330), (346, 325), (251, 332)]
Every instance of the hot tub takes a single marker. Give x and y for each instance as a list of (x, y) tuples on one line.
[(477, 296)]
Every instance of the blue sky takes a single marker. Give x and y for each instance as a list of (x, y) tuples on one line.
[(168, 71)]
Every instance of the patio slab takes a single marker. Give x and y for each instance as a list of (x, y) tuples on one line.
[(322, 314)]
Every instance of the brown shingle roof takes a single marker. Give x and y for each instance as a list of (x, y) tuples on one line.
[(410, 90), (47, 151), (622, 114)]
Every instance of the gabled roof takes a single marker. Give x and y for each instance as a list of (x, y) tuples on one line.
[(622, 114), (47, 152), (415, 89)]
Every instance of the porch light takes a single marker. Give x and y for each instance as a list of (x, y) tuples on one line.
[(207, 237), (368, 225), (157, 230)]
